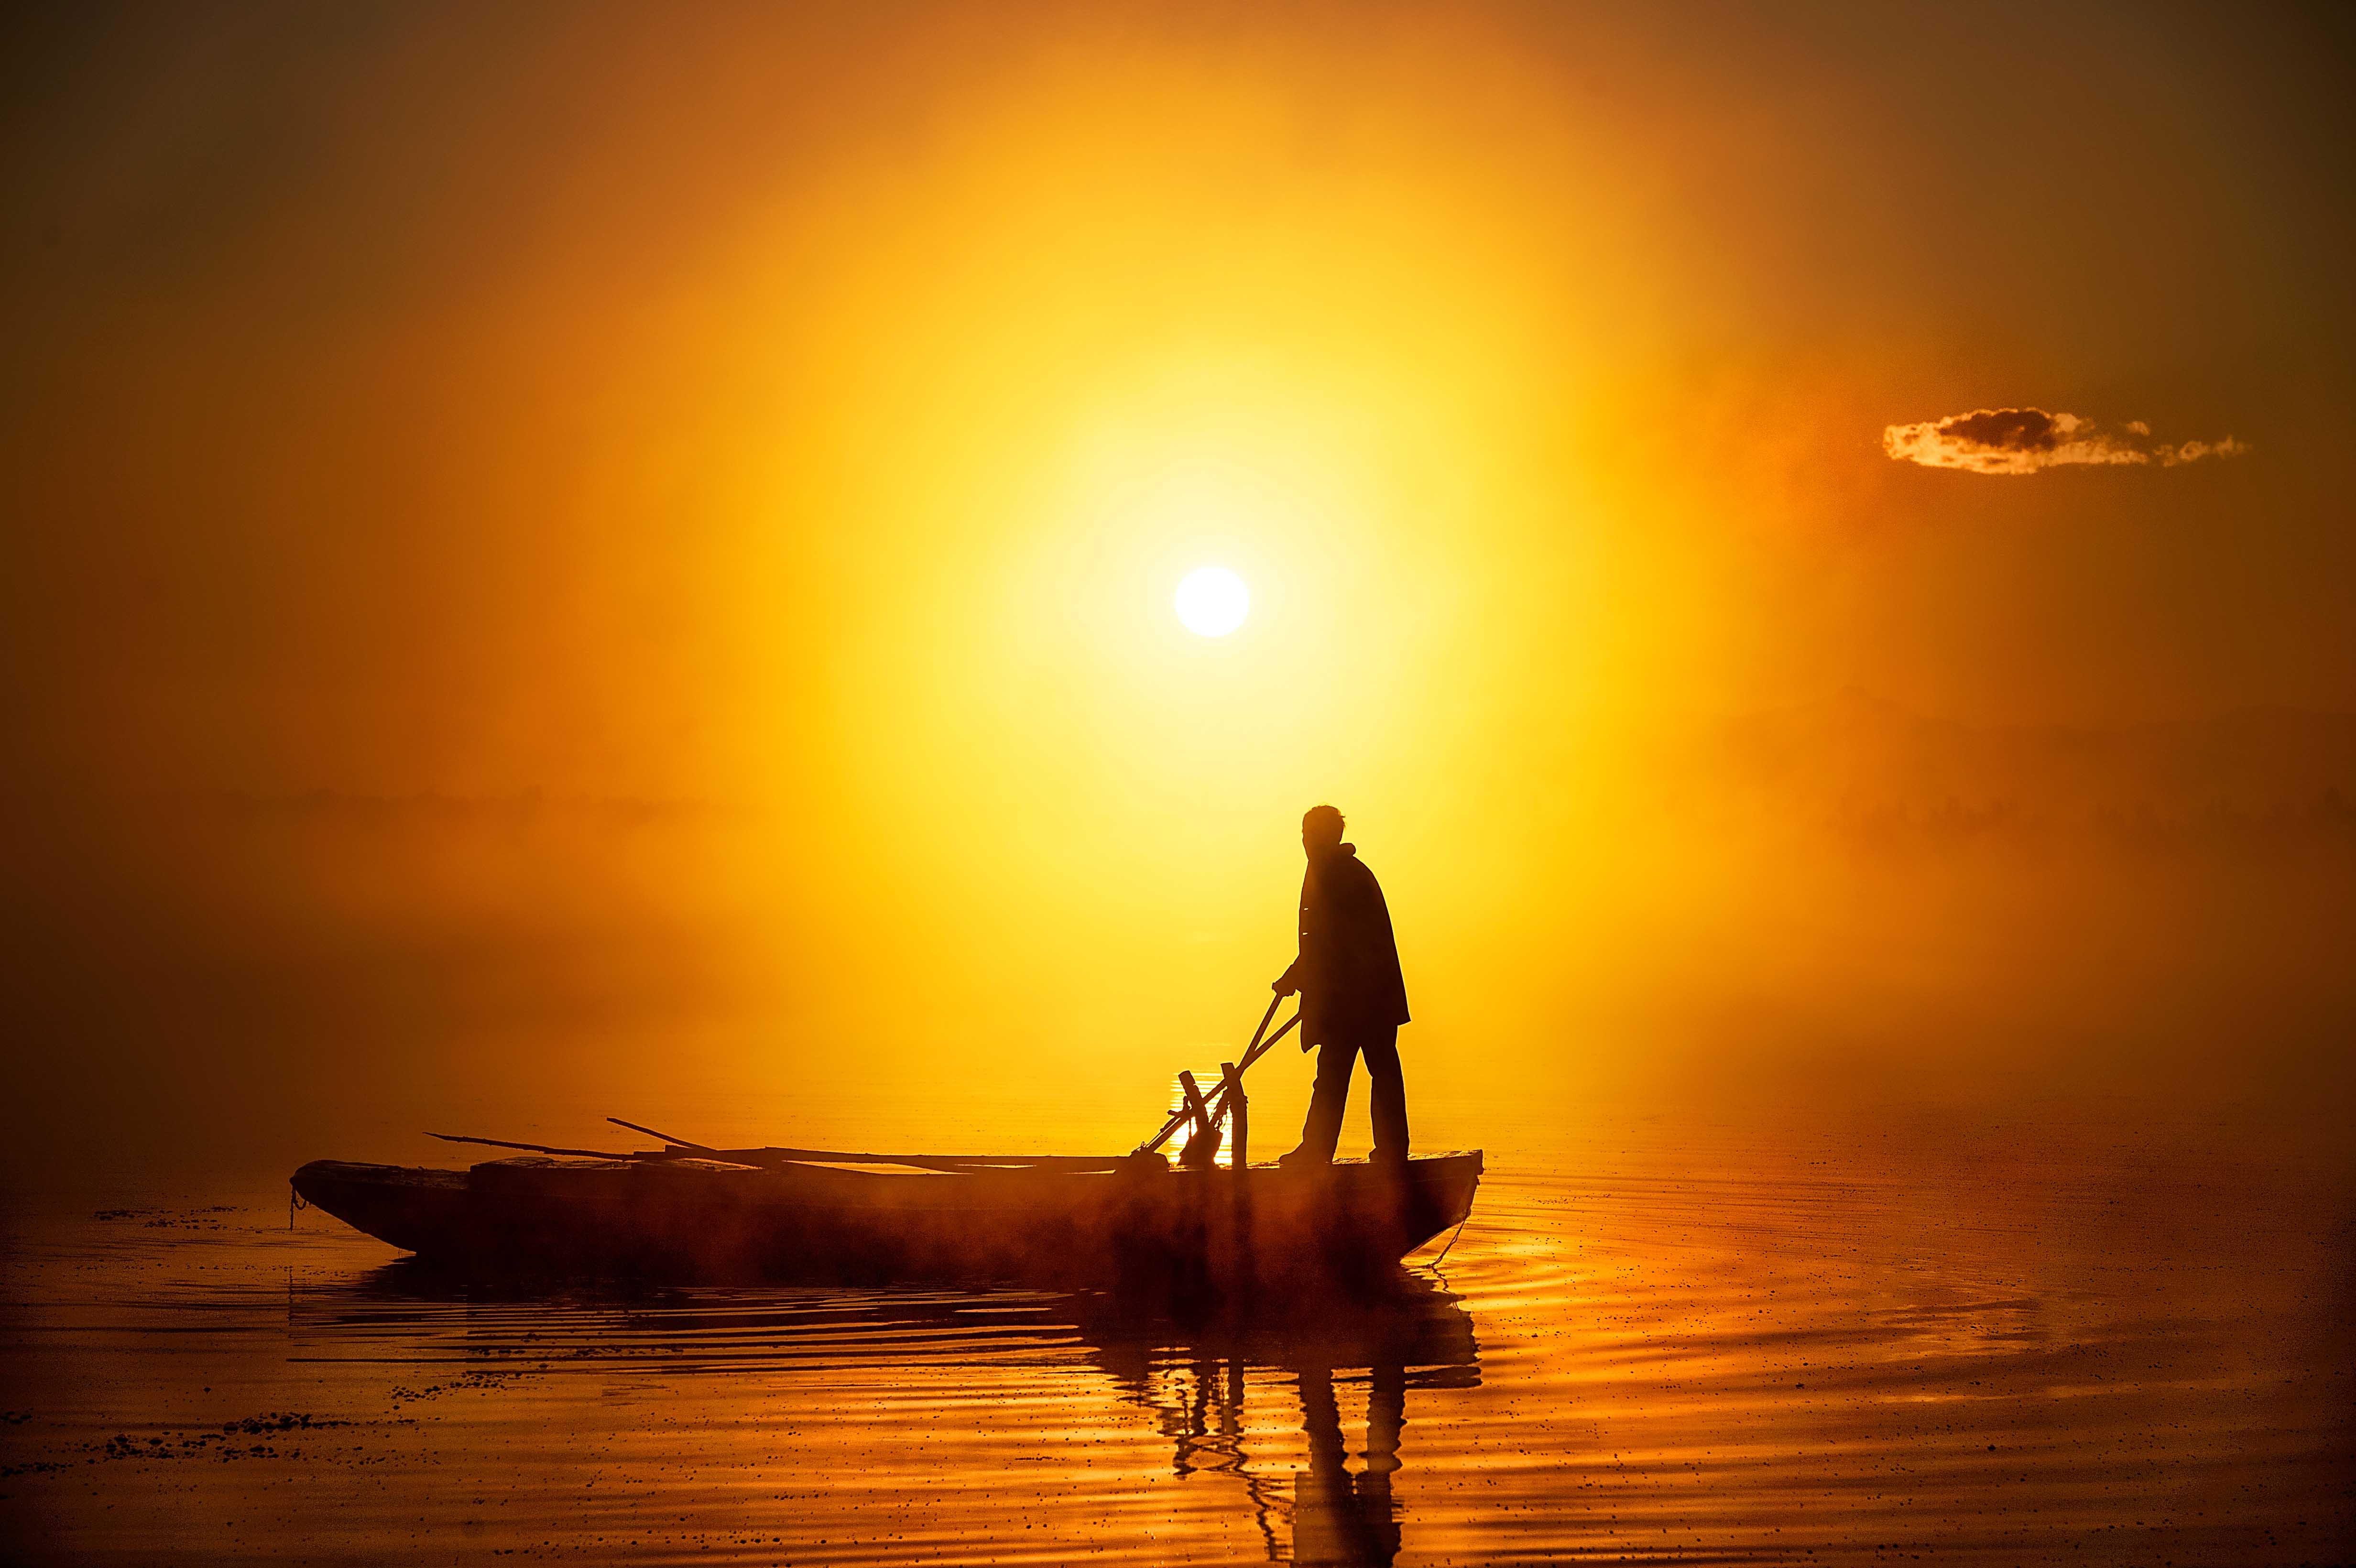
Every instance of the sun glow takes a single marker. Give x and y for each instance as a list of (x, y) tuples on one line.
[(1212, 601)]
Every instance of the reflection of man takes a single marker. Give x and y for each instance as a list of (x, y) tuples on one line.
[(1352, 999), (1338, 1518)]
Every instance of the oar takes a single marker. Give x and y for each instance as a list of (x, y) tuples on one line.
[(681, 1143), (972, 1163), (1178, 1117), (536, 1148), (1252, 1053), (1286, 1028), (849, 1156), (1219, 1109)]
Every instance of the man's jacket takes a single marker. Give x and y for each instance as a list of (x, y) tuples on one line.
[(1348, 970)]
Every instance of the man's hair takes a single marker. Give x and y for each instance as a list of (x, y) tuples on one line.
[(1326, 817)]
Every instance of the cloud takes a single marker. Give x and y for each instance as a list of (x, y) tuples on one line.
[(2023, 440)]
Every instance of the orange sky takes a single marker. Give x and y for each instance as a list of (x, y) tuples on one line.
[(768, 440)]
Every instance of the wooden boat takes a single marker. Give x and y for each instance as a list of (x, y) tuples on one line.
[(690, 1211), (686, 1212)]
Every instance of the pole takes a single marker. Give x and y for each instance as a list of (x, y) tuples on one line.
[(1231, 1089)]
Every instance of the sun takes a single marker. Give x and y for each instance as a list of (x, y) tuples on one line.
[(1212, 601)]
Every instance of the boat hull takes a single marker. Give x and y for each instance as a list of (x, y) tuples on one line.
[(701, 1220)]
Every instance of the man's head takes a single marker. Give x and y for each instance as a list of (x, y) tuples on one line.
[(1321, 830)]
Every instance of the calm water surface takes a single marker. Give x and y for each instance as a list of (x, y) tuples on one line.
[(2018, 1350)]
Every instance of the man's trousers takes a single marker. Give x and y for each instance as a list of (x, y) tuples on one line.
[(1322, 1129)]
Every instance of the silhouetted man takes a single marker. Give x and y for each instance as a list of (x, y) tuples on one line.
[(1352, 999)]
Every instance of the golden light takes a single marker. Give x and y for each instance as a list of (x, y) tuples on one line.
[(1212, 601)]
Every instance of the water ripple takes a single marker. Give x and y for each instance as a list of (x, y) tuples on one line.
[(1746, 1363)]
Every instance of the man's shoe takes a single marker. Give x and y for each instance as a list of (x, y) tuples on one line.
[(1302, 1157)]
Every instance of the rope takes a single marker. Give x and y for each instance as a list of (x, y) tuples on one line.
[(1451, 1239)]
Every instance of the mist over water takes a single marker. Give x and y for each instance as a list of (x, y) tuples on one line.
[(1842, 910)]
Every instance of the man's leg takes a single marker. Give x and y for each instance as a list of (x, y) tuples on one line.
[(1321, 1129), (1389, 1094)]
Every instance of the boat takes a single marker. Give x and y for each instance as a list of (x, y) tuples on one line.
[(688, 1213)]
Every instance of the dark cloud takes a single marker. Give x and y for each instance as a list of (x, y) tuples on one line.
[(2014, 430), (2023, 440)]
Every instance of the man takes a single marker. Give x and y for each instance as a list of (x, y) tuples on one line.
[(1352, 999)]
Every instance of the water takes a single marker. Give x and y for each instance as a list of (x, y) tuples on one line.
[(2016, 1347)]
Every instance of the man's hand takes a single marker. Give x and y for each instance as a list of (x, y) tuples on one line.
[(1282, 984)]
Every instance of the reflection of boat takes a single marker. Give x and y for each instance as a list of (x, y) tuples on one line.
[(1257, 1397), (687, 1213)]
